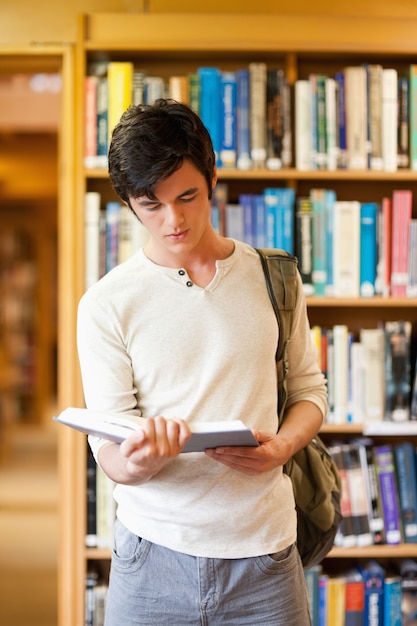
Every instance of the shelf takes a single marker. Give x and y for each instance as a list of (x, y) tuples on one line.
[(402, 551)]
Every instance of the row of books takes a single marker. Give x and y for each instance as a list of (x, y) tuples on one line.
[(100, 506), (379, 492), (371, 377), (375, 253), (375, 249), (360, 118), (367, 594)]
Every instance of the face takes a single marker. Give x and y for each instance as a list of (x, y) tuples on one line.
[(180, 216)]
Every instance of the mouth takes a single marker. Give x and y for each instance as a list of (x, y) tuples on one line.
[(178, 236)]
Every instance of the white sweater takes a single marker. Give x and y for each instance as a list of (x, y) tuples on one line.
[(151, 345)]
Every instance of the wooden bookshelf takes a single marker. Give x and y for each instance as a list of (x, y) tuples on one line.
[(166, 44)]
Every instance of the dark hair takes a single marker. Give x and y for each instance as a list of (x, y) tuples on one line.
[(151, 142)]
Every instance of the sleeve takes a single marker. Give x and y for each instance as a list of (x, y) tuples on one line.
[(305, 380), (105, 365)]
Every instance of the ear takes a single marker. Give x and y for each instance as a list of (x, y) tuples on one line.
[(214, 179)]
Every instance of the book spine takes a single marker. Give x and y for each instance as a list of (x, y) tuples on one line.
[(257, 86), (376, 521), (246, 202), (92, 237), (302, 98), (374, 80), (358, 495), (331, 125), (413, 116), (179, 88), (384, 462), (403, 154), (356, 117), (341, 120), (90, 121), (321, 122), (260, 217), (390, 119), (112, 234), (228, 119), (274, 118), (304, 243), (368, 248), (319, 241), (405, 466), (392, 601), (373, 342), (102, 121), (401, 216), (120, 85), (194, 91), (346, 254), (243, 156), (210, 104), (397, 370)]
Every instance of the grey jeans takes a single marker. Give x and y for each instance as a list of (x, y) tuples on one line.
[(153, 586)]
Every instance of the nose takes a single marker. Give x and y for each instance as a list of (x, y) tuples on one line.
[(175, 215)]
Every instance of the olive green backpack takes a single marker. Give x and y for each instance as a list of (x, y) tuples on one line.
[(315, 478)]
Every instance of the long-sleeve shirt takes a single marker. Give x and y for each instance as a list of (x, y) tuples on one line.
[(153, 343)]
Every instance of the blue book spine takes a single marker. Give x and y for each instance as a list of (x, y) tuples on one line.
[(330, 199), (243, 155), (368, 248), (392, 601), (373, 575), (112, 234), (322, 598), (311, 576), (288, 219), (259, 210), (210, 104), (318, 203), (102, 121), (271, 217), (249, 223), (228, 120), (405, 465)]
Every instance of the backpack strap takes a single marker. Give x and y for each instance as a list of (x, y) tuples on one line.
[(280, 270)]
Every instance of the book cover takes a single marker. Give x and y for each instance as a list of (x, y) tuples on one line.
[(257, 113), (92, 203), (228, 92), (243, 153), (210, 104), (331, 123), (354, 599), (397, 370), (120, 82), (116, 427), (346, 254), (358, 494), (406, 472), (311, 576), (387, 482), (373, 575), (392, 601), (304, 243), (235, 227), (302, 103), (368, 248), (389, 111)]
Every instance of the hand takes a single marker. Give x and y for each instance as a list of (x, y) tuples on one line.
[(159, 441), (271, 453)]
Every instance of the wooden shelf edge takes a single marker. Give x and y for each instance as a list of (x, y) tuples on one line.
[(375, 552)]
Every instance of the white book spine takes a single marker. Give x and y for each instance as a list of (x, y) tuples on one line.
[(92, 237), (346, 254), (302, 125), (390, 119)]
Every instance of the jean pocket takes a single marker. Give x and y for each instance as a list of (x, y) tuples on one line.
[(128, 548)]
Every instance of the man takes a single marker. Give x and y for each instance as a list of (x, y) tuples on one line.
[(184, 331)]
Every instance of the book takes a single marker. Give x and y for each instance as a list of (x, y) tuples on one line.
[(376, 521), (401, 217), (322, 597), (356, 117), (368, 230), (258, 200), (112, 234), (374, 90), (345, 536), (397, 370), (92, 201), (243, 154), (373, 575), (354, 598), (403, 130), (275, 80), (320, 260), (179, 88), (387, 482), (302, 100), (219, 200), (91, 501), (384, 222), (346, 254), (408, 572), (406, 473), (392, 601), (373, 342), (413, 403), (257, 113), (311, 576), (389, 117), (116, 427), (304, 243), (411, 289), (413, 115), (102, 121), (153, 88), (210, 104), (336, 598), (249, 218), (358, 494), (120, 82), (234, 221), (90, 121), (341, 120), (320, 122), (228, 93), (340, 373)]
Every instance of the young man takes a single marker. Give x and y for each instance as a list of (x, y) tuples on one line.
[(184, 331)]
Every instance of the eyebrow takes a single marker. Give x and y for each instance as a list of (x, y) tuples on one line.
[(148, 202)]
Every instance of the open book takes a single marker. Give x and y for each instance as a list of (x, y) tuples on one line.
[(115, 427)]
